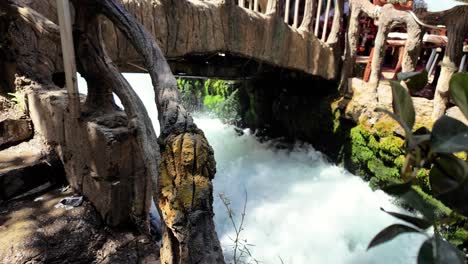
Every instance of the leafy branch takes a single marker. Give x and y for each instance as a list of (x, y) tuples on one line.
[(433, 150)]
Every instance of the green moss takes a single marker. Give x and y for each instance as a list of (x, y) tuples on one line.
[(373, 144), (399, 161), (438, 207), (375, 155), (392, 145), (385, 127), (422, 178), (378, 155), (459, 238)]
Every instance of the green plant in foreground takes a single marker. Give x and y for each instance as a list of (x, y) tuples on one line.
[(19, 100), (241, 251), (448, 176)]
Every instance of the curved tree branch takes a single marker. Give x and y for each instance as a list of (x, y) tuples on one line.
[(184, 192)]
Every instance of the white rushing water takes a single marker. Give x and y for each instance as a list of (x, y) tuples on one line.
[(300, 208)]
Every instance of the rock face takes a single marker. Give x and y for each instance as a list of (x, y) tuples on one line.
[(98, 155), (13, 131), (293, 108), (32, 230), (186, 199)]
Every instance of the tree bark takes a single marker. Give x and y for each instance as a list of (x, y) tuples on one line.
[(457, 29), (356, 8), (389, 18)]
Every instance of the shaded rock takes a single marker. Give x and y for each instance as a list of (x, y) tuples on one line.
[(27, 166), (13, 131), (114, 178)]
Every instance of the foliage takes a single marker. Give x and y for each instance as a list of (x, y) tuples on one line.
[(218, 97), (19, 100), (241, 249), (447, 176)]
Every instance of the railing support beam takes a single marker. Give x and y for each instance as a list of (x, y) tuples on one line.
[(68, 51)]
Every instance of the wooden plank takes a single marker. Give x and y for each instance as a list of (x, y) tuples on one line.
[(256, 6), (68, 51)]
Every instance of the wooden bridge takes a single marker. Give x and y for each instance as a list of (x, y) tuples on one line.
[(197, 37)]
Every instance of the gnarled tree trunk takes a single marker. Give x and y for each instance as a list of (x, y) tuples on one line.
[(184, 190), (457, 29), (180, 168)]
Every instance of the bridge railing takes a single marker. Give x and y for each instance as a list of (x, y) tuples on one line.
[(320, 17)]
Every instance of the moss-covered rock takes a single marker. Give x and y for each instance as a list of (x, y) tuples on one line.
[(376, 152), (377, 158)]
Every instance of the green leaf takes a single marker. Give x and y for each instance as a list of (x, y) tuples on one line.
[(415, 81), (416, 221), (459, 91), (445, 253), (390, 233), (448, 254), (449, 136), (426, 253), (403, 104), (415, 200), (447, 174)]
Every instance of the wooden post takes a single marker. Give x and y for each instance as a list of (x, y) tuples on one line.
[(256, 6), (241, 3), (68, 51), (296, 14), (251, 5), (433, 64), (325, 24), (462, 64), (272, 7), (286, 12), (317, 20), (431, 58)]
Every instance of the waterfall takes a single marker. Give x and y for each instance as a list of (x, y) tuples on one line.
[(300, 208)]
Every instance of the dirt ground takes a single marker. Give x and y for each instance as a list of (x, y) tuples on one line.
[(33, 230)]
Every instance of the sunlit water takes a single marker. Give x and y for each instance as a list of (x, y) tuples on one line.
[(300, 208)]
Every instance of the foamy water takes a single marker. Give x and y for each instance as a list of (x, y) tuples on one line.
[(300, 208)]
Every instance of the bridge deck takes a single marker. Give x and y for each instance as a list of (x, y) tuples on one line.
[(183, 27)]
